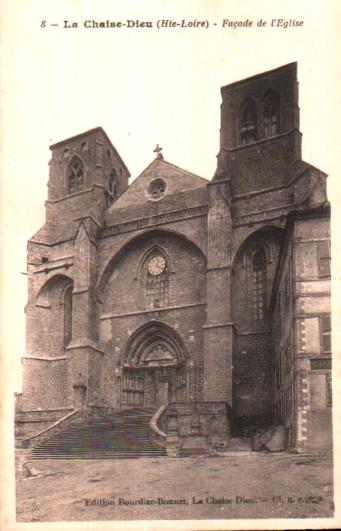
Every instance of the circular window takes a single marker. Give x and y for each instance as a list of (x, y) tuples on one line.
[(156, 189)]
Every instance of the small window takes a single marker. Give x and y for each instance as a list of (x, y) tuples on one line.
[(325, 331), (75, 175), (323, 258), (113, 182), (270, 115), (248, 123), (320, 364)]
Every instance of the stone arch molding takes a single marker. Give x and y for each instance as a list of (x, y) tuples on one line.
[(154, 345), (105, 274), (258, 239), (53, 291)]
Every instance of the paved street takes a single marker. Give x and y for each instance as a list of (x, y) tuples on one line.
[(230, 486)]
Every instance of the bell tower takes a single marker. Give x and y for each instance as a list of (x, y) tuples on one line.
[(260, 139), (86, 173)]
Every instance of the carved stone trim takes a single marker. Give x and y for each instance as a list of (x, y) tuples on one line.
[(152, 311), (152, 221)]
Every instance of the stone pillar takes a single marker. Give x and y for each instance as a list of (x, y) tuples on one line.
[(84, 355), (218, 327)]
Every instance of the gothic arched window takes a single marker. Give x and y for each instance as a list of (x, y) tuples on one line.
[(259, 284), (270, 115), (157, 281), (248, 122), (113, 182), (75, 175)]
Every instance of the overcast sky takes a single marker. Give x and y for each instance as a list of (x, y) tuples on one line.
[(144, 86)]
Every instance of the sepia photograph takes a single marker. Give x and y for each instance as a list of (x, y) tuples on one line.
[(170, 207)]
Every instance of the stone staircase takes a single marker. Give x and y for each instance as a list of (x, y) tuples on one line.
[(122, 435)]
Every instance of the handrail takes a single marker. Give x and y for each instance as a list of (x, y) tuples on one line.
[(26, 441), (154, 420)]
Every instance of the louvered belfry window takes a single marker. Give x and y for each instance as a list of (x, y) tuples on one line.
[(270, 115), (75, 175), (248, 124)]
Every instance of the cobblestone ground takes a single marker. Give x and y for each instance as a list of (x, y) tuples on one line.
[(233, 486)]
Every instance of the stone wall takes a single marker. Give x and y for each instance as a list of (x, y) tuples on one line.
[(44, 384)]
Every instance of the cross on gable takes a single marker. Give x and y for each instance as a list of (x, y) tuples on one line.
[(158, 150)]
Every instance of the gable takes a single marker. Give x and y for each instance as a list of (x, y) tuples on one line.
[(167, 180)]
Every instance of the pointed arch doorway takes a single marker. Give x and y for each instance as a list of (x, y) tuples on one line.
[(153, 367)]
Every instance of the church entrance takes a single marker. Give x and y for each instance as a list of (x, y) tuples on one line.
[(153, 367), (146, 387)]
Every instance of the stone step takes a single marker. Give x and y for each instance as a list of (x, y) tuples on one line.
[(124, 435)]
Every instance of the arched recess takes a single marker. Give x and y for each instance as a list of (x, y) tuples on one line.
[(53, 315), (110, 264), (253, 273), (154, 345), (255, 259), (129, 283)]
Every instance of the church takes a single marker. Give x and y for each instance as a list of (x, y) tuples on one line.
[(201, 305)]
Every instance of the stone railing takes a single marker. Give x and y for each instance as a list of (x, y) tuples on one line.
[(158, 421), (53, 429), (38, 415)]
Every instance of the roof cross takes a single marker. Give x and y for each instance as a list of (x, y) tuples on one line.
[(158, 150)]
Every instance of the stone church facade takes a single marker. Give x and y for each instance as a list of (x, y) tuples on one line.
[(207, 299)]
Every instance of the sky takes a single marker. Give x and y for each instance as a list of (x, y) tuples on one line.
[(143, 86)]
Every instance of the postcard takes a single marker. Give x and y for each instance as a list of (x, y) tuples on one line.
[(170, 210)]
